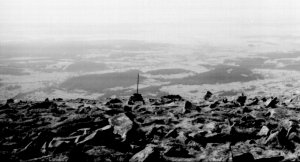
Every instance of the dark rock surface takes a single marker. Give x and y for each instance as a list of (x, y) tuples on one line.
[(136, 98), (166, 129)]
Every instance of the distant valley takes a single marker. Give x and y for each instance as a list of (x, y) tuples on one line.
[(100, 69)]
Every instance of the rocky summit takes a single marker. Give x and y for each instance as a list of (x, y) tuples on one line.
[(170, 129)]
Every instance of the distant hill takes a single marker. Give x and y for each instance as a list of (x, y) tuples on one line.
[(86, 66)]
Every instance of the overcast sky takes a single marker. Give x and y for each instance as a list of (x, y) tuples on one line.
[(193, 14)]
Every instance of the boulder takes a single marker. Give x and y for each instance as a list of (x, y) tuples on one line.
[(145, 155), (277, 113), (121, 124), (242, 99), (217, 152), (263, 131), (188, 106), (9, 101), (207, 95), (280, 139), (271, 102)]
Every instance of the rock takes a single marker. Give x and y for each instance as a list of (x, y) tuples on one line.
[(172, 133), (253, 102), (242, 134), (145, 155), (210, 126), (182, 138), (76, 154), (44, 105), (105, 154), (225, 100), (178, 150), (80, 132), (277, 113), (54, 109), (246, 157), (170, 98), (58, 99), (272, 102), (157, 132), (247, 109), (121, 124), (58, 145), (206, 109), (114, 103), (217, 152), (33, 149), (263, 131), (280, 139), (188, 106), (213, 138), (207, 95), (293, 127), (9, 101), (242, 99), (127, 108), (84, 110), (54, 130), (215, 104), (295, 100), (101, 135), (136, 98), (271, 159)]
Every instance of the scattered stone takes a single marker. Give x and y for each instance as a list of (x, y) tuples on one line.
[(253, 102), (114, 103), (246, 157), (101, 135), (166, 129), (215, 104), (170, 98), (121, 124), (247, 109), (136, 98), (9, 101), (272, 102), (188, 106), (58, 99), (242, 99), (217, 152), (207, 95), (145, 155), (178, 150), (263, 131)]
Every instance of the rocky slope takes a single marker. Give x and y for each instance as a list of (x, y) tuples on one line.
[(139, 130)]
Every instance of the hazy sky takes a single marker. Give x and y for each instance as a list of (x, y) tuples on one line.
[(195, 15)]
